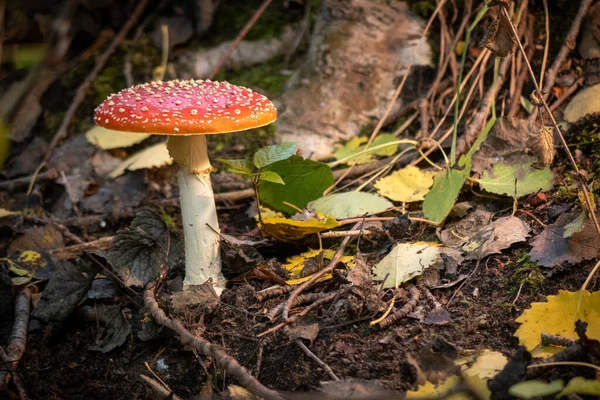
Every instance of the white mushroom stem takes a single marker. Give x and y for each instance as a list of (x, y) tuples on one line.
[(198, 210)]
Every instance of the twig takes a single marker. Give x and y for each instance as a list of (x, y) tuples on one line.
[(16, 378), (85, 85), (464, 282), (167, 394), (515, 102), (70, 252), (273, 291), (224, 360), (548, 339), (336, 234), (18, 336), (239, 38), (547, 45), (329, 268), (302, 299), (415, 295), (316, 359)]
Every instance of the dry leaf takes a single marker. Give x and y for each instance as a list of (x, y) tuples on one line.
[(499, 37), (108, 139), (542, 146), (296, 265), (153, 156), (404, 262), (286, 229)]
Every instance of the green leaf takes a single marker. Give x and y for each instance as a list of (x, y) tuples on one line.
[(580, 385), (445, 190), (355, 146), (305, 181), (350, 204), (531, 389), (576, 225), (526, 104), (271, 176), (238, 167), (501, 180), (272, 154)]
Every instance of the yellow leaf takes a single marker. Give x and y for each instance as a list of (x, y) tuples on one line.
[(558, 317), (487, 365), (295, 265), (153, 156), (430, 390), (289, 230), (408, 184), (6, 213), (108, 139)]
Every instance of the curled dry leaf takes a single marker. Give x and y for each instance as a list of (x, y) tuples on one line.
[(499, 37), (542, 146)]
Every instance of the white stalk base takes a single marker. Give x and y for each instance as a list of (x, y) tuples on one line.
[(199, 212)]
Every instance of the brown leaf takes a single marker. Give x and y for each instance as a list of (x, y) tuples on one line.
[(550, 248), (457, 233), (499, 235), (542, 146), (499, 38)]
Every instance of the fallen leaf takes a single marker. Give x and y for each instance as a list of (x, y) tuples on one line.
[(497, 236), (286, 229), (499, 38), (535, 389), (6, 213), (407, 184), (46, 237), (305, 181), (141, 251), (457, 233), (519, 178), (586, 101), (103, 288), (542, 145), (305, 328), (67, 286), (358, 144), (487, 365), (350, 205), (404, 262), (434, 391), (513, 372), (116, 328), (107, 139), (153, 156), (551, 247), (580, 385), (296, 265), (197, 299), (557, 316), (576, 225)]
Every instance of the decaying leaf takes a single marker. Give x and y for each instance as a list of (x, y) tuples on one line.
[(535, 389), (358, 144), (407, 184), (499, 38), (542, 145), (557, 316), (404, 262), (576, 225), (139, 252), (116, 328), (286, 229), (499, 235), (296, 266), (28, 265), (107, 139), (518, 178), (307, 327), (586, 101), (487, 364), (457, 233), (551, 247), (153, 156), (67, 286), (350, 204), (197, 299)]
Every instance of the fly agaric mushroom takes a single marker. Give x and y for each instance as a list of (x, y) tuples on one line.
[(187, 111)]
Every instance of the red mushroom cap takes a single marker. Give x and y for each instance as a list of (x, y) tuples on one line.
[(185, 108)]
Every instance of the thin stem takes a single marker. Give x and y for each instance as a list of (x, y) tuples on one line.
[(372, 149), (547, 46)]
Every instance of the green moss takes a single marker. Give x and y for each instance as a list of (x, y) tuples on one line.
[(231, 16), (109, 81), (267, 77), (526, 272)]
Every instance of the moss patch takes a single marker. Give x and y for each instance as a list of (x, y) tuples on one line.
[(267, 77)]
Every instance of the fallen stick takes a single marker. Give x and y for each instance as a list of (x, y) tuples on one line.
[(224, 360), (18, 336), (70, 252)]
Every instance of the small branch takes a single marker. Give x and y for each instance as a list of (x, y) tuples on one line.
[(240, 37), (316, 359), (18, 337), (222, 359), (160, 389), (303, 299), (567, 93), (415, 295), (329, 268), (70, 252), (337, 234), (273, 291)]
